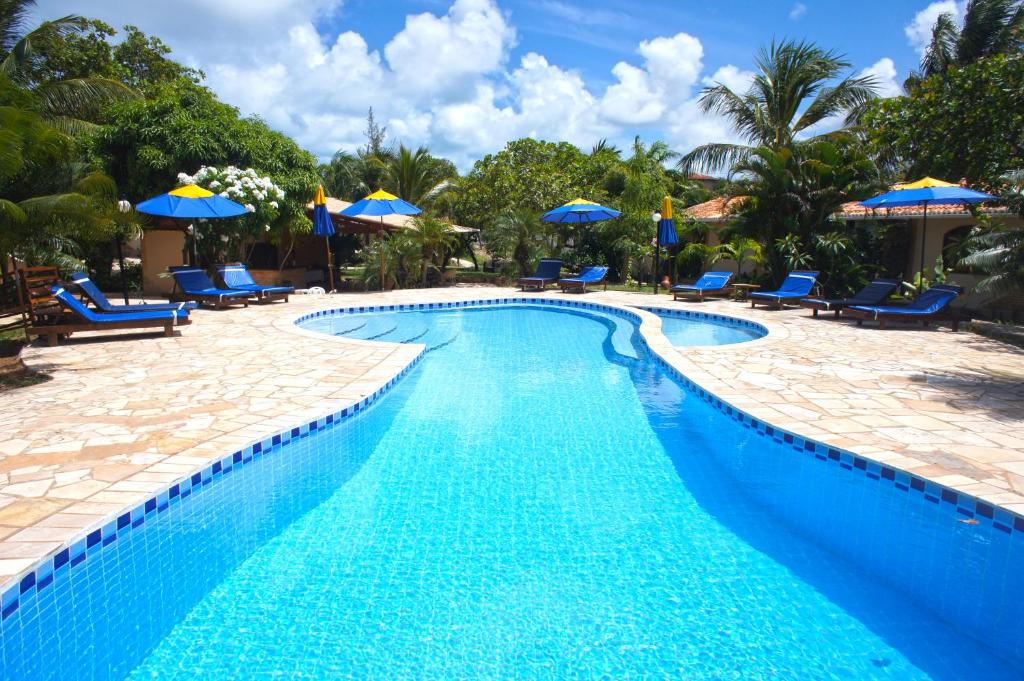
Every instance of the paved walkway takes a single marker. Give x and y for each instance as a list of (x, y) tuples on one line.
[(124, 418)]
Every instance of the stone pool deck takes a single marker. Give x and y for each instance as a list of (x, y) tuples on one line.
[(126, 416)]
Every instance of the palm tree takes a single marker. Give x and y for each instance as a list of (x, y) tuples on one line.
[(519, 235), (416, 176), (990, 27), (998, 251), (436, 239), (789, 95), (72, 104)]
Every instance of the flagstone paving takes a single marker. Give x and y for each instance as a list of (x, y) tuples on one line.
[(124, 417)]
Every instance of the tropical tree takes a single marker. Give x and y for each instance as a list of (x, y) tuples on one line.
[(519, 235), (997, 249), (741, 250), (528, 174), (640, 182), (967, 123), (416, 176), (990, 27), (436, 240), (50, 204), (792, 92), (70, 104), (792, 194)]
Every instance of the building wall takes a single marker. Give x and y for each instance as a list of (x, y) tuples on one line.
[(160, 249)]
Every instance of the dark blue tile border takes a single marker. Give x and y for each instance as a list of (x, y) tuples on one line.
[(41, 576)]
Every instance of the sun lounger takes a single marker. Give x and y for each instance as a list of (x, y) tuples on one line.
[(709, 284), (548, 271), (796, 286), (191, 283), (236, 276), (874, 293), (91, 291), (77, 317), (932, 305), (591, 274)]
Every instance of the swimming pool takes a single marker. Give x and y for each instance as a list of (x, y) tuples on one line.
[(537, 498)]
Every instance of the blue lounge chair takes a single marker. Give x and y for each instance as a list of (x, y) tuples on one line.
[(591, 274), (91, 291), (548, 271), (75, 316), (191, 283), (930, 306), (236, 276), (874, 293), (796, 286), (709, 284)]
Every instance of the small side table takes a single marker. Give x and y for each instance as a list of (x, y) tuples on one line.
[(745, 289)]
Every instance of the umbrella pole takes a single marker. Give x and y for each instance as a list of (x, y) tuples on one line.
[(657, 260), (330, 266), (924, 232), (381, 250), (120, 262)]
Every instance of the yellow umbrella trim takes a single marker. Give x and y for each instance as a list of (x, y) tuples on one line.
[(925, 183), (380, 194), (191, 191), (319, 198)]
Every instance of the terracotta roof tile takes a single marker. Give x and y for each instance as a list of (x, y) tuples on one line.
[(715, 210), (719, 208)]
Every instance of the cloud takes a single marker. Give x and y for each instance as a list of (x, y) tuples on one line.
[(885, 75), (733, 78), (642, 95), (798, 11), (919, 30)]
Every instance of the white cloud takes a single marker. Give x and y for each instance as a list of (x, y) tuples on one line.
[(798, 11), (440, 54), (641, 96), (919, 30), (884, 72), (733, 78)]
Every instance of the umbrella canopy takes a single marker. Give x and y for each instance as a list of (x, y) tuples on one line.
[(925, 191), (189, 202), (322, 225), (921, 193), (580, 210), (666, 226), (381, 203)]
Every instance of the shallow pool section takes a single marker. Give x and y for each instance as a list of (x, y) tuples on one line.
[(535, 500), (684, 328)]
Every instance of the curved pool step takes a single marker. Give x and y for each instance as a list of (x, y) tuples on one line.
[(438, 346), (351, 330)]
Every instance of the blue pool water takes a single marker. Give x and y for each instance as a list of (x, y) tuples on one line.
[(687, 331), (537, 499)]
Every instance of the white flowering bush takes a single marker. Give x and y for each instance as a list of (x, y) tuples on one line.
[(226, 239)]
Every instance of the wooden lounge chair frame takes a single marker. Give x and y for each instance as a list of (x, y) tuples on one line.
[(702, 293), (951, 316), (568, 283), (47, 317)]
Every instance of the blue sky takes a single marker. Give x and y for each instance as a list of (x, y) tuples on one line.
[(465, 76), (610, 30)]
